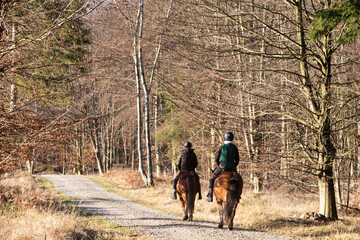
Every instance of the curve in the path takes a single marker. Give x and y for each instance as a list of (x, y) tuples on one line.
[(156, 224)]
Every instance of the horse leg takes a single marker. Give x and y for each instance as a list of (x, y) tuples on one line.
[(191, 212), (231, 225), (231, 221), (185, 216), (190, 216), (185, 211), (221, 210), (183, 206)]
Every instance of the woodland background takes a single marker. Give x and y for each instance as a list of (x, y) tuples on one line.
[(88, 86)]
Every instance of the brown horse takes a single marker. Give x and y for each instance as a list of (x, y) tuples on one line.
[(227, 189), (187, 188)]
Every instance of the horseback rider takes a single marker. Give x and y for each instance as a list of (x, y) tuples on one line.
[(227, 158), (187, 162)]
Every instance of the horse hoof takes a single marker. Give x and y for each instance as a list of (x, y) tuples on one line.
[(220, 225), (185, 218), (190, 218), (230, 228)]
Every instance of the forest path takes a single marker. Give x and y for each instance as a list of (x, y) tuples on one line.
[(146, 221)]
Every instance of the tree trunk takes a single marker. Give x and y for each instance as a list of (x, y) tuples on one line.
[(78, 150), (358, 151), (212, 144), (13, 88), (133, 149), (30, 166), (125, 147), (348, 185), (104, 148), (111, 138), (147, 135), (157, 153), (337, 165), (140, 77), (138, 93), (327, 198), (320, 107), (139, 127), (284, 165), (325, 177), (173, 165), (258, 183), (95, 143)]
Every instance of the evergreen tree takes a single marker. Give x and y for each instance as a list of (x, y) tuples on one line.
[(43, 47), (344, 12)]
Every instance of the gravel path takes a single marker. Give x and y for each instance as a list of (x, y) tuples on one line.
[(158, 225)]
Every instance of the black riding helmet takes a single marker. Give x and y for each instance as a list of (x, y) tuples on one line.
[(229, 136), (188, 145)]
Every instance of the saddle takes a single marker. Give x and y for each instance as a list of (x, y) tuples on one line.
[(231, 172), (228, 170)]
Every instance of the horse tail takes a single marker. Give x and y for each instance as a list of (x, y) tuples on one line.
[(232, 199), (191, 189)]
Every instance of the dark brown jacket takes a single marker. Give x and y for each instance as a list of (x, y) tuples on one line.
[(187, 160)]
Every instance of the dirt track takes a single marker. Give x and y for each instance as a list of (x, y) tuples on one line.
[(158, 225)]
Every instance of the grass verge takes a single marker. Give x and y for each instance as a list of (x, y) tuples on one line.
[(277, 212), (31, 208)]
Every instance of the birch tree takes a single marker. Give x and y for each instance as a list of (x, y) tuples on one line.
[(146, 86)]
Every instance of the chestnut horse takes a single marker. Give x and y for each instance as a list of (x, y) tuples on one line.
[(227, 190), (187, 188)]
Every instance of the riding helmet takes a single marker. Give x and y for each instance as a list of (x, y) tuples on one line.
[(188, 145), (229, 136)]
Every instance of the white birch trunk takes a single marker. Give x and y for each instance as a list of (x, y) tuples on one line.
[(157, 154), (13, 88), (138, 97)]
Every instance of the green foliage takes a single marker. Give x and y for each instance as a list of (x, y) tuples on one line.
[(172, 132), (43, 66), (347, 12)]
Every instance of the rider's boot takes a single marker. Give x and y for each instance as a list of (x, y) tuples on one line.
[(211, 187), (210, 195), (174, 196)]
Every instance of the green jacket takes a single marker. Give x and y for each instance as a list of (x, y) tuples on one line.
[(227, 155)]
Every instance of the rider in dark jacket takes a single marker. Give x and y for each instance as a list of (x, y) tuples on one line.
[(187, 162), (227, 158)]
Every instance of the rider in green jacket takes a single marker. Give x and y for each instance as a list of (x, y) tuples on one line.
[(227, 158)]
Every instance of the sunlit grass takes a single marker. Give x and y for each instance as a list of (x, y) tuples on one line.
[(32, 209), (275, 212)]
